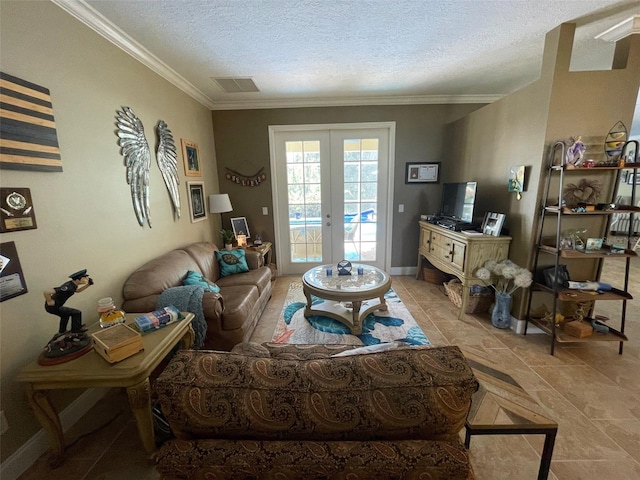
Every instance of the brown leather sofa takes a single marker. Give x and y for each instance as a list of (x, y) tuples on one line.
[(276, 411), (231, 315)]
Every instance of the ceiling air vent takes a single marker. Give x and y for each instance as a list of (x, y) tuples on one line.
[(236, 84)]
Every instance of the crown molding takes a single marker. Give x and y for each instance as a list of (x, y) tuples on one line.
[(355, 101), (623, 29), (80, 10), (98, 23)]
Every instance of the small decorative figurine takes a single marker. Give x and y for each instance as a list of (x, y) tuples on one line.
[(344, 267), (76, 341), (575, 152)]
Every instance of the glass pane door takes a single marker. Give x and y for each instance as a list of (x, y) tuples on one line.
[(331, 192)]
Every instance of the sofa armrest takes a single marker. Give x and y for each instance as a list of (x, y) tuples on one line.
[(254, 259), (212, 305)]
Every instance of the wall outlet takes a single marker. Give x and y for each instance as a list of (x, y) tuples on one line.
[(401, 208), (4, 425), (265, 210)]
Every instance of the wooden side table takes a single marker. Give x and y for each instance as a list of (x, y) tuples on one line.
[(502, 407), (264, 250), (91, 370)]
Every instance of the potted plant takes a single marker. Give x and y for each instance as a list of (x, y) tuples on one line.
[(227, 238)]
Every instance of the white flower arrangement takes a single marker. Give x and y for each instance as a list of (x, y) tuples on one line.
[(508, 276)]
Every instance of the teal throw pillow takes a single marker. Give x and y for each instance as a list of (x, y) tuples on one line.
[(231, 261), (195, 278)]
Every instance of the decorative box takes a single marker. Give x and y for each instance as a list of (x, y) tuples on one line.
[(117, 343)]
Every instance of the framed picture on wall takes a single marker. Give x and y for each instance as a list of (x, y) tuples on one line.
[(419, 172), (197, 203), (191, 158)]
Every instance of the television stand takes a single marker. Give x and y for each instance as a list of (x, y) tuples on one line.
[(459, 254)]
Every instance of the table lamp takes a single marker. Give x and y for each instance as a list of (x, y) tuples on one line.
[(220, 203)]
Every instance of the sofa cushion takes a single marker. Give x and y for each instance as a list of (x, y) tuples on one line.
[(231, 261), (251, 349), (418, 392), (260, 278), (196, 278), (239, 300), (304, 352)]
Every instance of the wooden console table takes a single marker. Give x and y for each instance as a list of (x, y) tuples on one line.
[(91, 370), (459, 254)]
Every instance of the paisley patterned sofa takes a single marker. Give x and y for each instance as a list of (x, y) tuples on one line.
[(275, 411)]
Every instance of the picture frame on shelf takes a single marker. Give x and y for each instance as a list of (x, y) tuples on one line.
[(191, 158), (422, 172), (197, 201), (240, 226), (560, 281), (492, 223)]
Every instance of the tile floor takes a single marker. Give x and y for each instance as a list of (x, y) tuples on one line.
[(591, 391)]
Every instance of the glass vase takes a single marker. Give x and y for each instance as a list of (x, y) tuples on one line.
[(501, 315)]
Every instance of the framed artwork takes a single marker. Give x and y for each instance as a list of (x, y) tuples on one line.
[(197, 201), (12, 281), (28, 120), (16, 210), (191, 158), (516, 180), (559, 281), (240, 227), (417, 172), (492, 223)]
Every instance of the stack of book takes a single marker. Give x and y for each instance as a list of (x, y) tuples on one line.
[(117, 342)]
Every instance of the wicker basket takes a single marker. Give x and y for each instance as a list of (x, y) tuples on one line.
[(478, 302), (433, 275)]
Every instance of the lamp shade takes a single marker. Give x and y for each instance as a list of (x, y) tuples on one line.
[(220, 203)]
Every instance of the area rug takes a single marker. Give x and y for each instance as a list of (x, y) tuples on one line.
[(378, 327)]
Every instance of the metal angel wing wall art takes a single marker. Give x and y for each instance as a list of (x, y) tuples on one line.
[(137, 159), (168, 164)]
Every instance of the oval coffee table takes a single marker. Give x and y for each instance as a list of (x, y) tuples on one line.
[(364, 293)]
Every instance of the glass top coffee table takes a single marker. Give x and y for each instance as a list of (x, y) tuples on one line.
[(346, 298)]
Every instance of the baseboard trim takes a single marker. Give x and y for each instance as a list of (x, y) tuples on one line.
[(518, 327), (404, 271), (27, 454)]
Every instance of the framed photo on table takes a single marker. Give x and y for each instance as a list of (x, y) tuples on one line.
[(191, 158), (420, 172), (197, 201), (240, 227), (492, 223)]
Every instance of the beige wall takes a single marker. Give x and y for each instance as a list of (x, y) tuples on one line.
[(242, 144), (84, 214), (521, 128)]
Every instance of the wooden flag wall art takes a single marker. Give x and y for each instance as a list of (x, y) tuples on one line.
[(28, 139)]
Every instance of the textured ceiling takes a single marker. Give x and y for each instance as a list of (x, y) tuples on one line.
[(315, 52)]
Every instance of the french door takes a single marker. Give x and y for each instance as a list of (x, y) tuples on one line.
[(331, 191)]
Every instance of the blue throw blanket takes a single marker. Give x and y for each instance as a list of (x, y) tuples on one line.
[(187, 299)]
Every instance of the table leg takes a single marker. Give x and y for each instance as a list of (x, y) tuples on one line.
[(465, 300), (383, 304), (355, 317), (188, 339), (46, 414), (307, 309), (140, 401), (547, 452)]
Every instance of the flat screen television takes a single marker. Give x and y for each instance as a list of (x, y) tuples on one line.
[(458, 200)]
